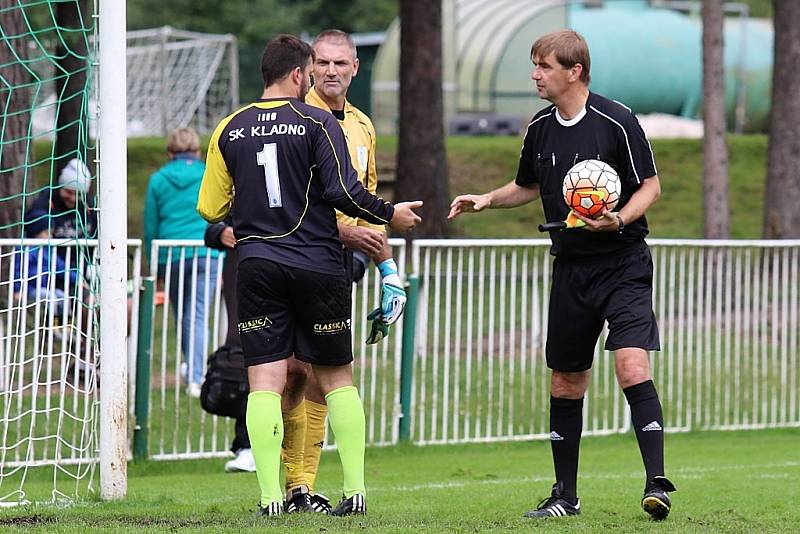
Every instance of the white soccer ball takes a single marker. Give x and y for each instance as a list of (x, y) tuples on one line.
[(591, 186)]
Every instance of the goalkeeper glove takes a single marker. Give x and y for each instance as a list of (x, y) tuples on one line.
[(379, 328), (393, 296)]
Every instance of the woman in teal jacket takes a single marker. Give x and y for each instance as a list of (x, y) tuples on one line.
[(191, 275)]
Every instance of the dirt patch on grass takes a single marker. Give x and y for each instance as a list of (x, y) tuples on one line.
[(26, 520)]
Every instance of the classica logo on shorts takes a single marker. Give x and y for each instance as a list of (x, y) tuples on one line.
[(251, 325), (332, 327)]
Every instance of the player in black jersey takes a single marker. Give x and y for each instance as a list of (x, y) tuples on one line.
[(602, 272), (280, 167)]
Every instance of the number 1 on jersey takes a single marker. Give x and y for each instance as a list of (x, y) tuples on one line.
[(268, 158)]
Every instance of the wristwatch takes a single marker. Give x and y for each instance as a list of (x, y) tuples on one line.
[(621, 224)]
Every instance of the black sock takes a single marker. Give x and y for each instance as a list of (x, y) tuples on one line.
[(566, 423), (648, 422)]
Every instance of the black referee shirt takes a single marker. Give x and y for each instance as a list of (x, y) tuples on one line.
[(281, 167), (606, 130)]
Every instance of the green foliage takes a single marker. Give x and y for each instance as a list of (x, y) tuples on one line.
[(248, 21), (258, 20), (759, 8), (255, 22), (348, 15), (727, 481)]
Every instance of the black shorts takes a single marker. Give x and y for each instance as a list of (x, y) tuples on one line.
[(286, 310), (584, 294)]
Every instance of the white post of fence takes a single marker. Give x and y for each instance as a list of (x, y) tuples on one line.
[(112, 147)]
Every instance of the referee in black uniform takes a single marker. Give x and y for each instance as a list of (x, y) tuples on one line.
[(280, 167), (602, 272)]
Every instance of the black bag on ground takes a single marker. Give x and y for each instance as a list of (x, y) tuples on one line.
[(225, 389)]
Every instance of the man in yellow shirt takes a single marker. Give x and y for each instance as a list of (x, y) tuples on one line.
[(335, 66)]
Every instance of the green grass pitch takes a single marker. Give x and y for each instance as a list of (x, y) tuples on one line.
[(727, 481)]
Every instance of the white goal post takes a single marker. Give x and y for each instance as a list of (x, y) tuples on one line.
[(113, 221)]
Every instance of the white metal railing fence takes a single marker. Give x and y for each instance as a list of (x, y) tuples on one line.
[(728, 317), (179, 428), (479, 371), (727, 312), (49, 332), (188, 278)]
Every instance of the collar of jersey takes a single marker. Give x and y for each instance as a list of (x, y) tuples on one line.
[(270, 103), (573, 121), (313, 99)]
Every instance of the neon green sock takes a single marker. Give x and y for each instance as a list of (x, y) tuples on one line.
[(265, 427), (346, 417)]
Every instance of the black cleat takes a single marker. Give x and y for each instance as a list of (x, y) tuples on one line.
[(273, 509), (298, 500), (354, 505), (555, 506), (321, 504), (656, 502)]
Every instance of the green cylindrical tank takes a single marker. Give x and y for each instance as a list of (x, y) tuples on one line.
[(648, 58), (655, 64)]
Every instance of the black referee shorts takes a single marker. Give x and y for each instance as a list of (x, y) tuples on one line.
[(285, 310), (584, 294)]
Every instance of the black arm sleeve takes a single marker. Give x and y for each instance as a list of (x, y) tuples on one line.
[(639, 162), (213, 236), (340, 181), (525, 171)]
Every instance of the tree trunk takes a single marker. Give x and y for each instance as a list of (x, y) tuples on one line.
[(71, 119), (781, 213), (715, 151), (15, 103), (421, 156)]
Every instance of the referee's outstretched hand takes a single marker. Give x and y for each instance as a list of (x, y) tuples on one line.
[(404, 218), (468, 204)]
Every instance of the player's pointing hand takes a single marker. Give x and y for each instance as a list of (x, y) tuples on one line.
[(404, 218), (468, 204)]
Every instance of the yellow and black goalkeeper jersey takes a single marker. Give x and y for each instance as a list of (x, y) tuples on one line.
[(360, 135), (280, 167)]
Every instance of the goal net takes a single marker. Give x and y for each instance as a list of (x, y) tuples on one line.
[(49, 358), (179, 78)]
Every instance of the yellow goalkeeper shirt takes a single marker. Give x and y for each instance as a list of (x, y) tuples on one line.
[(360, 135)]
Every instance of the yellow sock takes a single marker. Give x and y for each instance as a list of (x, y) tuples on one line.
[(315, 437), (294, 438)]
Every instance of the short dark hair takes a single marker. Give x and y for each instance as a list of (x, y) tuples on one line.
[(336, 35), (283, 54), (570, 48)]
